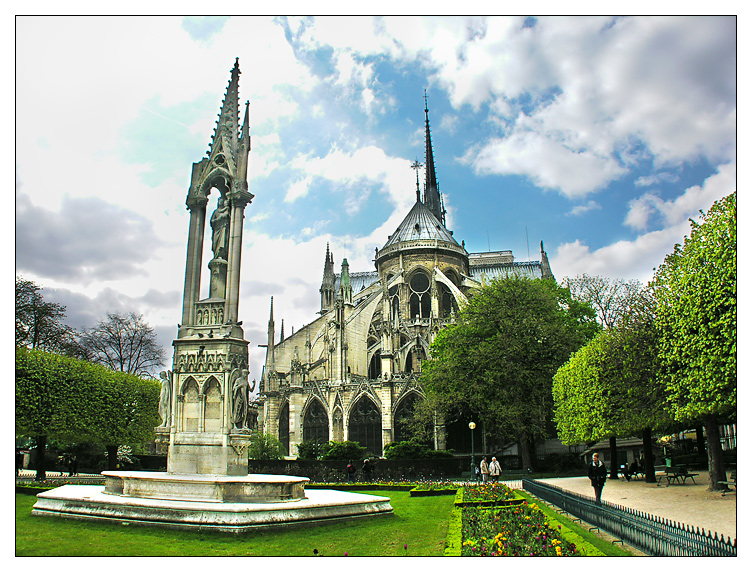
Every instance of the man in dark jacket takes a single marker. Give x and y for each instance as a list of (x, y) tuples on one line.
[(597, 475)]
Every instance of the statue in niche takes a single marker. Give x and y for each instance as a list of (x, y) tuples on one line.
[(220, 223), (239, 379), (165, 397)]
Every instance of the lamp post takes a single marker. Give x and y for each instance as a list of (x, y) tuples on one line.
[(471, 425)]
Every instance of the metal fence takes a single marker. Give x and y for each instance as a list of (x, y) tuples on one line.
[(651, 534)]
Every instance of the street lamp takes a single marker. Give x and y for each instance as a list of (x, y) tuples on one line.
[(471, 425)]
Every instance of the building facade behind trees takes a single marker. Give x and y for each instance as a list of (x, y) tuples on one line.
[(353, 373)]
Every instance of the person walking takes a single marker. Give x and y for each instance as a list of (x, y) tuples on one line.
[(494, 469), (350, 472), (597, 475), (484, 469), (367, 468)]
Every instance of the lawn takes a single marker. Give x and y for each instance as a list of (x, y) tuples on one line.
[(418, 522)]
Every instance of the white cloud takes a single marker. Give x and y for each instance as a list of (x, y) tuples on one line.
[(298, 189), (582, 209), (596, 85), (549, 163), (684, 206), (637, 258)]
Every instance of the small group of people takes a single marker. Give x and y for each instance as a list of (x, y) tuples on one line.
[(367, 470), (637, 466), (490, 470)]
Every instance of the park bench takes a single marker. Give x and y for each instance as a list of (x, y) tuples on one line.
[(729, 483), (677, 474)]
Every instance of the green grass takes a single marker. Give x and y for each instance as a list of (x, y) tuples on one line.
[(419, 522)]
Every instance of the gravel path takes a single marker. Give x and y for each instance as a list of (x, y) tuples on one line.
[(690, 504)]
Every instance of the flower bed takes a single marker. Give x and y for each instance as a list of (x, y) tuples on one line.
[(511, 531), (487, 494)]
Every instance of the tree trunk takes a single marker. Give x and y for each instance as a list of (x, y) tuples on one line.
[(717, 471), (647, 450), (700, 440), (614, 459), (527, 464), (40, 449), (112, 463)]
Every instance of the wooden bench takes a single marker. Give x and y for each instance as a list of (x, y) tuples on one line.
[(729, 483), (676, 474)]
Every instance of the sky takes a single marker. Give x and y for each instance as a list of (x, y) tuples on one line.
[(599, 136)]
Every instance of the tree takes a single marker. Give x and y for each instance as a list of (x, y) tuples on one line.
[(612, 299), (264, 447), (498, 361), (695, 292), (39, 324), (609, 389), (63, 398), (123, 342)]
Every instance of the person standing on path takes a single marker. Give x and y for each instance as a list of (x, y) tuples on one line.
[(484, 469), (494, 469), (597, 475)]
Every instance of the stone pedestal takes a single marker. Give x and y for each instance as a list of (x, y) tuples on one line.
[(218, 280)]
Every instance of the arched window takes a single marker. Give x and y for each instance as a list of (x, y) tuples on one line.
[(191, 410), (446, 302), (365, 426), (284, 426), (403, 417), (394, 301), (374, 368), (316, 423), (420, 298), (213, 406)]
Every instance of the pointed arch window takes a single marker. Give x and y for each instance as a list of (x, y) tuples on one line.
[(365, 426), (403, 417), (191, 406), (284, 426), (420, 298), (316, 423)]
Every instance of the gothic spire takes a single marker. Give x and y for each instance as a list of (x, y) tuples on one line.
[(431, 195), (228, 129)]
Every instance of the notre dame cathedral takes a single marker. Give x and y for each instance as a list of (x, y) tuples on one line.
[(353, 373)]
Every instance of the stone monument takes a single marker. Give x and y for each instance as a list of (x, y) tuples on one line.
[(204, 398)]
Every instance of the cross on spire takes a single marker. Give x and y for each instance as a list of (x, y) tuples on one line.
[(416, 165)]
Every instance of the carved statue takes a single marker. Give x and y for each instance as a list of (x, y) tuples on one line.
[(165, 397), (239, 397), (220, 223)]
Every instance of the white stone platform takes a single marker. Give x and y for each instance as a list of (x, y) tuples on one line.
[(91, 502), (205, 488)]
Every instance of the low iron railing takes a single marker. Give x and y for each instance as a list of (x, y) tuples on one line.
[(651, 534)]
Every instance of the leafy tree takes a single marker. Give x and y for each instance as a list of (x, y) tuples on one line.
[(265, 447), (39, 324), (498, 361), (63, 398), (123, 342), (695, 292), (609, 389), (311, 450)]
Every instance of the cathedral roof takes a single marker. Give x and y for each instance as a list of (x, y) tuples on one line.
[(420, 224)]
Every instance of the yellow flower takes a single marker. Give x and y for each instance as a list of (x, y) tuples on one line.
[(558, 551)]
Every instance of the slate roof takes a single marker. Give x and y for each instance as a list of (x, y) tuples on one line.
[(420, 224)]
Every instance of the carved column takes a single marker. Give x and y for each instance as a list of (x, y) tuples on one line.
[(197, 206), (238, 199)]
